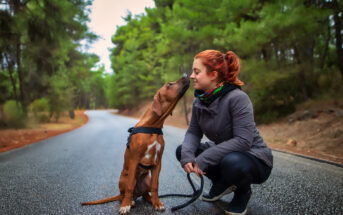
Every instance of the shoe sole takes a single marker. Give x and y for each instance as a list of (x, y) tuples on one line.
[(227, 191), (232, 213), (243, 213)]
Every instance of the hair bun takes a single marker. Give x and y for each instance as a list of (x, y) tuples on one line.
[(233, 61), (233, 67)]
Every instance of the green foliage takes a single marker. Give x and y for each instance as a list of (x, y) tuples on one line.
[(135, 63), (40, 55), (41, 109), (287, 49), (14, 116), (270, 106), (40, 105), (333, 82), (59, 94)]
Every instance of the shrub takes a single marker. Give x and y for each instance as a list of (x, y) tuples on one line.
[(41, 109), (276, 97), (40, 105), (14, 116)]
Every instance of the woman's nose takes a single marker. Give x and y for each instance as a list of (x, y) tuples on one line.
[(192, 75)]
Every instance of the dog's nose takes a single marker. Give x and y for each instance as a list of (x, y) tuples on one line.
[(185, 75)]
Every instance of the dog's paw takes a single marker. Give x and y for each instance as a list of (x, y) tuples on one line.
[(159, 207), (124, 210), (133, 203)]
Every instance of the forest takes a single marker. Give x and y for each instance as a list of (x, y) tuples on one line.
[(290, 51), (43, 66)]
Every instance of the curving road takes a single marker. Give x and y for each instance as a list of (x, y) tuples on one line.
[(53, 176)]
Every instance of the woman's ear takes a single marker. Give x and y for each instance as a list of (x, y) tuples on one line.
[(214, 75), (156, 104)]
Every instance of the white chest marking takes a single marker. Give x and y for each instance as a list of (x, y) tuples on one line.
[(158, 148)]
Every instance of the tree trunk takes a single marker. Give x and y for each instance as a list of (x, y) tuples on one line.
[(327, 39), (17, 8), (302, 79), (185, 109), (10, 71), (338, 35), (20, 74), (264, 54), (184, 98)]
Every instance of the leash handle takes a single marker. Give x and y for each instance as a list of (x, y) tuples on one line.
[(196, 193)]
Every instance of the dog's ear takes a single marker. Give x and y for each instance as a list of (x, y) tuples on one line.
[(156, 104)]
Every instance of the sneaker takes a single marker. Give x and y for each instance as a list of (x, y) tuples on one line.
[(217, 191), (239, 203)]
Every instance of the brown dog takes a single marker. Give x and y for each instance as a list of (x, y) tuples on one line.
[(145, 151)]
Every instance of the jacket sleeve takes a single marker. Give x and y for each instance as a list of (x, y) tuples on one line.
[(241, 111), (191, 140)]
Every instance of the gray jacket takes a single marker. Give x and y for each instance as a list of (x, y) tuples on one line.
[(229, 123)]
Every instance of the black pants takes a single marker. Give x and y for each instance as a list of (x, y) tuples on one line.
[(236, 168)]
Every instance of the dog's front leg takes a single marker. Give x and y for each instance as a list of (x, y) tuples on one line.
[(155, 172), (130, 185)]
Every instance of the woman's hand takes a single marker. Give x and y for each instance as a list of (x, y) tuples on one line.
[(193, 167), (197, 170), (188, 167)]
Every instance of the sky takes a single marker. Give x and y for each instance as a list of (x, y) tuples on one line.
[(105, 16)]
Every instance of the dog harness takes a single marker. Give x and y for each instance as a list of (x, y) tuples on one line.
[(145, 130)]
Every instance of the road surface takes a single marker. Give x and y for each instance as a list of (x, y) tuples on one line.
[(54, 175)]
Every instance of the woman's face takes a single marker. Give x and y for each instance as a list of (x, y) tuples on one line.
[(201, 79)]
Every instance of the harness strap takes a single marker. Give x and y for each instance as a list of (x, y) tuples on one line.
[(145, 130)]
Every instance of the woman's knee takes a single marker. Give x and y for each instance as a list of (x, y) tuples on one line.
[(231, 159), (235, 163), (240, 168), (178, 152)]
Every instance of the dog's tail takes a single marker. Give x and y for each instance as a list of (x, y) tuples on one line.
[(102, 201)]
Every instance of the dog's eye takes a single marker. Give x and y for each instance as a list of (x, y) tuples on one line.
[(170, 84)]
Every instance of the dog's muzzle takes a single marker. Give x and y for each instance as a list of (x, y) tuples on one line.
[(185, 82)]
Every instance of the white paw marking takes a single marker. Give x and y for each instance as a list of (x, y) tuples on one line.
[(161, 208), (124, 210), (133, 203)]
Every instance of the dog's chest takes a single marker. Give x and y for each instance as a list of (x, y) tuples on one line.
[(151, 154)]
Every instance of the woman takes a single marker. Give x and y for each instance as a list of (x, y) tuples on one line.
[(236, 156)]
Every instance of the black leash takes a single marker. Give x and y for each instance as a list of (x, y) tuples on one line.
[(196, 194)]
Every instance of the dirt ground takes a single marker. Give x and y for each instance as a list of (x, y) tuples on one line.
[(14, 138), (320, 137), (314, 130)]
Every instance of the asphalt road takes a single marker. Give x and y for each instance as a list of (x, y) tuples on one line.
[(53, 176)]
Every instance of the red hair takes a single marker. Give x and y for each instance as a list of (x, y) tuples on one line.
[(227, 65)]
